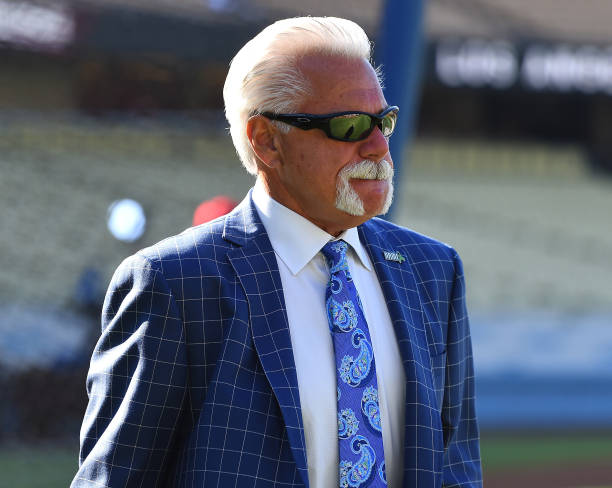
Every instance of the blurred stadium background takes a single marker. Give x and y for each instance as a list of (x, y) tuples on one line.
[(511, 163)]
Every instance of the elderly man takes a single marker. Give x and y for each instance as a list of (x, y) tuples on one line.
[(298, 340)]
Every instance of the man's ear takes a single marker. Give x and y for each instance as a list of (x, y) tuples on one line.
[(262, 136)]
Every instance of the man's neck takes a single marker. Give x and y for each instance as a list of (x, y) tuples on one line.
[(329, 226)]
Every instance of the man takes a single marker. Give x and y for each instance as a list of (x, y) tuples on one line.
[(296, 341)]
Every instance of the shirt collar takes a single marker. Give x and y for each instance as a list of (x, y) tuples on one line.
[(283, 225)]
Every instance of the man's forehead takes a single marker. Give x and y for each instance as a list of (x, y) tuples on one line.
[(340, 84)]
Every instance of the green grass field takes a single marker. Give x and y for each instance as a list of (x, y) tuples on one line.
[(502, 452), (45, 466), (49, 466)]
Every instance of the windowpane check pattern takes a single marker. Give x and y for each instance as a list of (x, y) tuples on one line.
[(193, 383)]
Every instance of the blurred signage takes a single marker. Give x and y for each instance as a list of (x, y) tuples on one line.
[(584, 68), (36, 27), (476, 63), (502, 65)]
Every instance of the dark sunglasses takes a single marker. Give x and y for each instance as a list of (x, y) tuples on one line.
[(342, 126)]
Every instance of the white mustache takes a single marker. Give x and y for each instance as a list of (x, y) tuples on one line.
[(368, 170), (347, 199)]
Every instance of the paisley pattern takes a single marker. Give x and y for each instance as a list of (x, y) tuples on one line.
[(347, 424), (370, 408), (341, 316), (339, 263), (358, 473), (360, 441), (354, 371), (382, 473)]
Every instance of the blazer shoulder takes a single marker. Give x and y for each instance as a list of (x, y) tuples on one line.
[(387, 233), (195, 244)]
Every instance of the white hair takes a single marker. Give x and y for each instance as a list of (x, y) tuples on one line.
[(264, 75)]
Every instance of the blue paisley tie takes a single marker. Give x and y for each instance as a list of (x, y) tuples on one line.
[(360, 440)]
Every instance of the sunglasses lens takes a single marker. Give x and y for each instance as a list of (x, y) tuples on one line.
[(350, 127), (388, 123)]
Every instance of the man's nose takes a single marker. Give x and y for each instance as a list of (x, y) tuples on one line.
[(375, 146)]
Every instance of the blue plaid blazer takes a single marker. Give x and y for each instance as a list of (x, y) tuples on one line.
[(193, 382)]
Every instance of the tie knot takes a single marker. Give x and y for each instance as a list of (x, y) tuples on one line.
[(335, 253)]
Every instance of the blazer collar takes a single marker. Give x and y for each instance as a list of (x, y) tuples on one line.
[(255, 265), (243, 223), (400, 288)]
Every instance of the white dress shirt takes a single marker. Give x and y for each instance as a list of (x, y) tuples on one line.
[(304, 274)]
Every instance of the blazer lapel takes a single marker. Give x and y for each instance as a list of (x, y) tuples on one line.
[(255, 265), (400, 289)]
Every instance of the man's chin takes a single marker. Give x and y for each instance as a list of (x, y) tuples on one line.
[(375, 195), (372, 203)]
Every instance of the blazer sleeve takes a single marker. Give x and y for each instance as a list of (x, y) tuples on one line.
[(462, 466), (136, 382)]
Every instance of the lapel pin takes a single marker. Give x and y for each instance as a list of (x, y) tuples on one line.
[(394, 256)]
